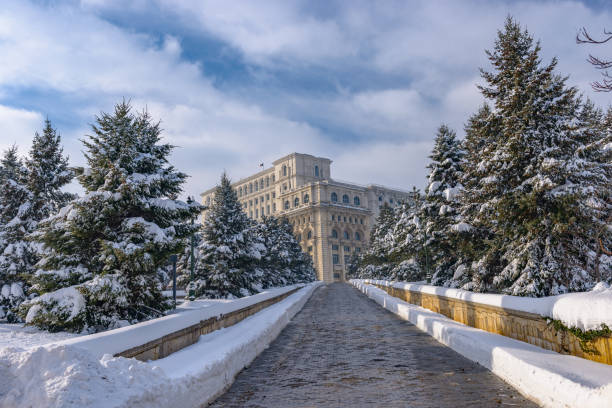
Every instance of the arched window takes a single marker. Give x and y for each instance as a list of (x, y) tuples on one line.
[(250, 187), (345, 199), (309, 235), (296, 202), (334, 197), (287, 205), (357, 236), (306, 198), (334, 234), (347, 235), (356, 201), (316, 171), (298, 238), (284, 170)]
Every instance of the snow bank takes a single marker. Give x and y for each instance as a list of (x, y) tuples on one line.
[(551, 379), (584, 310), (18, 335), (68, 375)]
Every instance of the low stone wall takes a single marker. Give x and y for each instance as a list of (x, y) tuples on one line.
[(528, 327), (170, 343)]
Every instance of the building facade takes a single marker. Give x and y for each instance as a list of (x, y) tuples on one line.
[(330, 219)]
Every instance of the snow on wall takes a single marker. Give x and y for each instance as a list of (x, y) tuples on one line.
[(122, 339), (584, 310), (66, 374), (549, 378)]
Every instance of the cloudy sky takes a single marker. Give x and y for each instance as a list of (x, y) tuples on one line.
[(238, 83)]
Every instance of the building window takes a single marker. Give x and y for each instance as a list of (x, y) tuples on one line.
[(273, 207), (256, 186), (380, 198), (256, 213), (273, 178), (334, 247), (361, 221), (250, 203), (316, 171), (267, 197), (309, 249), (306, 198), (250, 188), (335, 259), (357, 236), (345, 199), (357, 249), (347, 235), (240, 192), (267, 181), (287, 205), (350, 220), (251, 214), (344, 219), (334, 234), (346, 259), (391, 200), (284, 170), (347, 249), (333, 217), (298, 238), (334, 197), (256, 200), (285, 186), (357, 201), (273, 194), (296, 202), (268, 209), (309, 235), (262, 211)]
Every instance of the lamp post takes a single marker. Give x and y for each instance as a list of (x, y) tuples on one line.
[(192, 258), (173, 260), (427, 270)]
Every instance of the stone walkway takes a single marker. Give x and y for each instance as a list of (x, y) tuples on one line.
[(344, 350)]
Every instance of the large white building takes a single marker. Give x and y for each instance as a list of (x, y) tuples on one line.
[(331, 219)]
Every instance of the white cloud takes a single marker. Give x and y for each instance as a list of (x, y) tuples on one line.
[(17, 126)]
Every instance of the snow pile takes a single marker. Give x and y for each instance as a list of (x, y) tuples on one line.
[(583, 310), (63, 375), (551, 379), (16, 334)]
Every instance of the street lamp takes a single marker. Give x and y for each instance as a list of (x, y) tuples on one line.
[(192, 258)]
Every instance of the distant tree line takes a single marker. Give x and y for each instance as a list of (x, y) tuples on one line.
[(100, 260), (523, 204)]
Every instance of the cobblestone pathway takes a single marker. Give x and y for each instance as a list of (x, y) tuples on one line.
[(344, 350)]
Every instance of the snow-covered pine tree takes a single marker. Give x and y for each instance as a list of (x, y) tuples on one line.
[(535, 211), (15, 254), (298, 264), (473, 232), (590, 181), (103, 252), (230, 250), (439, 211)]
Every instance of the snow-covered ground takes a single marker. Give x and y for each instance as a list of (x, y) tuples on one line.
[(551, 379), (18, 335), (584, 310), (73, 373)]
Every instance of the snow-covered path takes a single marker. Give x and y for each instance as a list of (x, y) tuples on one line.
[(343, 350)]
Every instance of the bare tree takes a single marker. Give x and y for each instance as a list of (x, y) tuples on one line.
[(583, 37)]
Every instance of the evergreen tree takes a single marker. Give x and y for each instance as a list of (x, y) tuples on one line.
[(15, 254), (439, 211), (103, 253), (531, 165), (230, 250)]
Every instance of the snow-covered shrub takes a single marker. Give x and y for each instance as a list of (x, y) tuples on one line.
[(63, 309)]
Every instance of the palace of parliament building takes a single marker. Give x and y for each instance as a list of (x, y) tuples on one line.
[(330, 219)]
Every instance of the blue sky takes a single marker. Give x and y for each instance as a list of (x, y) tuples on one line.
[(238, 83)]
